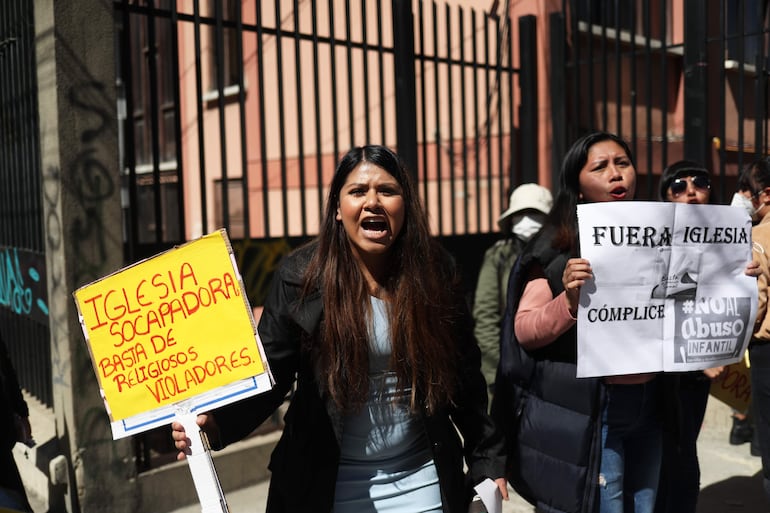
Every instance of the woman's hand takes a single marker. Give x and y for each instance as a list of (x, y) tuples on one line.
[(182, 442), (713, 372), (502, 485), (752, 269), (576, 272)]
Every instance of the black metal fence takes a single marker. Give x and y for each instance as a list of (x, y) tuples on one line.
[(286, 92), (676, 83), (24, 322)]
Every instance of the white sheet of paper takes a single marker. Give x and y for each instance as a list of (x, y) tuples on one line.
[(490, 495), (668, 291)]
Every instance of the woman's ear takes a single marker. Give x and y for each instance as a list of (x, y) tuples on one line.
[(337, 216)]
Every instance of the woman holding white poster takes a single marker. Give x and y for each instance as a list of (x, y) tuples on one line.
[(574, 442), (369, 323)]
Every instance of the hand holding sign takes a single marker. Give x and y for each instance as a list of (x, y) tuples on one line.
[(171, 336)]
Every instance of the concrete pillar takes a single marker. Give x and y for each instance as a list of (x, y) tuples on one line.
[(82, 212)]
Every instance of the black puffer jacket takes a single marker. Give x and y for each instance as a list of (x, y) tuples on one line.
[(550, 418), (304, 463)]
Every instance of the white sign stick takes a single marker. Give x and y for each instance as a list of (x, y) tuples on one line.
[(204, 474)]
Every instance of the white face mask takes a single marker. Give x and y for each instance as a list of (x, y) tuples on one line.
[(741, 201), (526, 226)]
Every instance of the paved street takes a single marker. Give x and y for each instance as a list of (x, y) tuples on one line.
[(731, 480)]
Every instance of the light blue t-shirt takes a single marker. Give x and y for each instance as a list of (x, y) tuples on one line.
[(385, 461)]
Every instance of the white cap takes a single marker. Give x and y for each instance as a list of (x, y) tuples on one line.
[(527, 196)]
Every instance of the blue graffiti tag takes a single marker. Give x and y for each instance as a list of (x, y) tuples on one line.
[(13, 292)]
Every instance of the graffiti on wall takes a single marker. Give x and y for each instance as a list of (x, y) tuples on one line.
[(23, 283)]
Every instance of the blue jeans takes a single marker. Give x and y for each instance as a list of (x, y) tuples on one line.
[(631, 449)]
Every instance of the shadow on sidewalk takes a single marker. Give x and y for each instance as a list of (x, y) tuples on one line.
[(739, 494)]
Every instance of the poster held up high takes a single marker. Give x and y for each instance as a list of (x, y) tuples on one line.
[(172, 333), (669, 291)]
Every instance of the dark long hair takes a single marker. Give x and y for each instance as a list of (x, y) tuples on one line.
[(755, 176), (422, 307), (563, 216)]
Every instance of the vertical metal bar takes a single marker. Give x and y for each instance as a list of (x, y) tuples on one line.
[(529, 97), (406, 105), (437, 100), (365, 59), (464, 119), (761, 86), (450, 120), (199, 114), (152, 64), (351, 89), (381, 76), (576, 79), (618, 76), (423, 105), (722, 93), (695, 83), (514, 162), (590, 66), (558, 73), (129, 134), (476, 123), (300, 119), (333, 79), (605, 115), (504, 177), (281, 116), (488, 122), (648, 87), (663, 93), (219, 45), (178, 123), (262, 120), (317, 108), (634, 86), (740, 100), (245, 203)]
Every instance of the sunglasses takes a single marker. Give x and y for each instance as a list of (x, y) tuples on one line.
[(700, 182)]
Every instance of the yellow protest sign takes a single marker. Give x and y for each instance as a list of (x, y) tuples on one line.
[(733, 386), (170, 327)]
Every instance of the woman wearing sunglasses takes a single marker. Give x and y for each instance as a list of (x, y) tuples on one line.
[(687, 182)]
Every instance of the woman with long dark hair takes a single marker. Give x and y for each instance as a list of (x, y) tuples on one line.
[(576, 443), (370, 323)]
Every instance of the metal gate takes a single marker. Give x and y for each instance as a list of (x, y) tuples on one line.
[(236, 112), (677, 79), (24, 322)]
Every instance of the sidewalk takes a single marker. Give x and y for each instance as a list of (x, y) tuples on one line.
[(730, 476)]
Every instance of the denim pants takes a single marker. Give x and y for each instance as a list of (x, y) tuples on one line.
[(631, 449)]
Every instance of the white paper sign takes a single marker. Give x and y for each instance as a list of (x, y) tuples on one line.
[(669, 291)]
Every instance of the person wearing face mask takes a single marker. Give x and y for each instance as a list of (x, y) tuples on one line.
[(527, 208), (754, 195)]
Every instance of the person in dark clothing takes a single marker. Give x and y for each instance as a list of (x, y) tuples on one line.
[(685, 181), (369, 322), (14, 427), (576, 445)]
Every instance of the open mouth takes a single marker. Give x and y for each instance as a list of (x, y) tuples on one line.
[(374, 225), (618, 192)]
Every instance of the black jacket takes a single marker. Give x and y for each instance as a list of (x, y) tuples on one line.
[(305, 460), (550, 418)]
